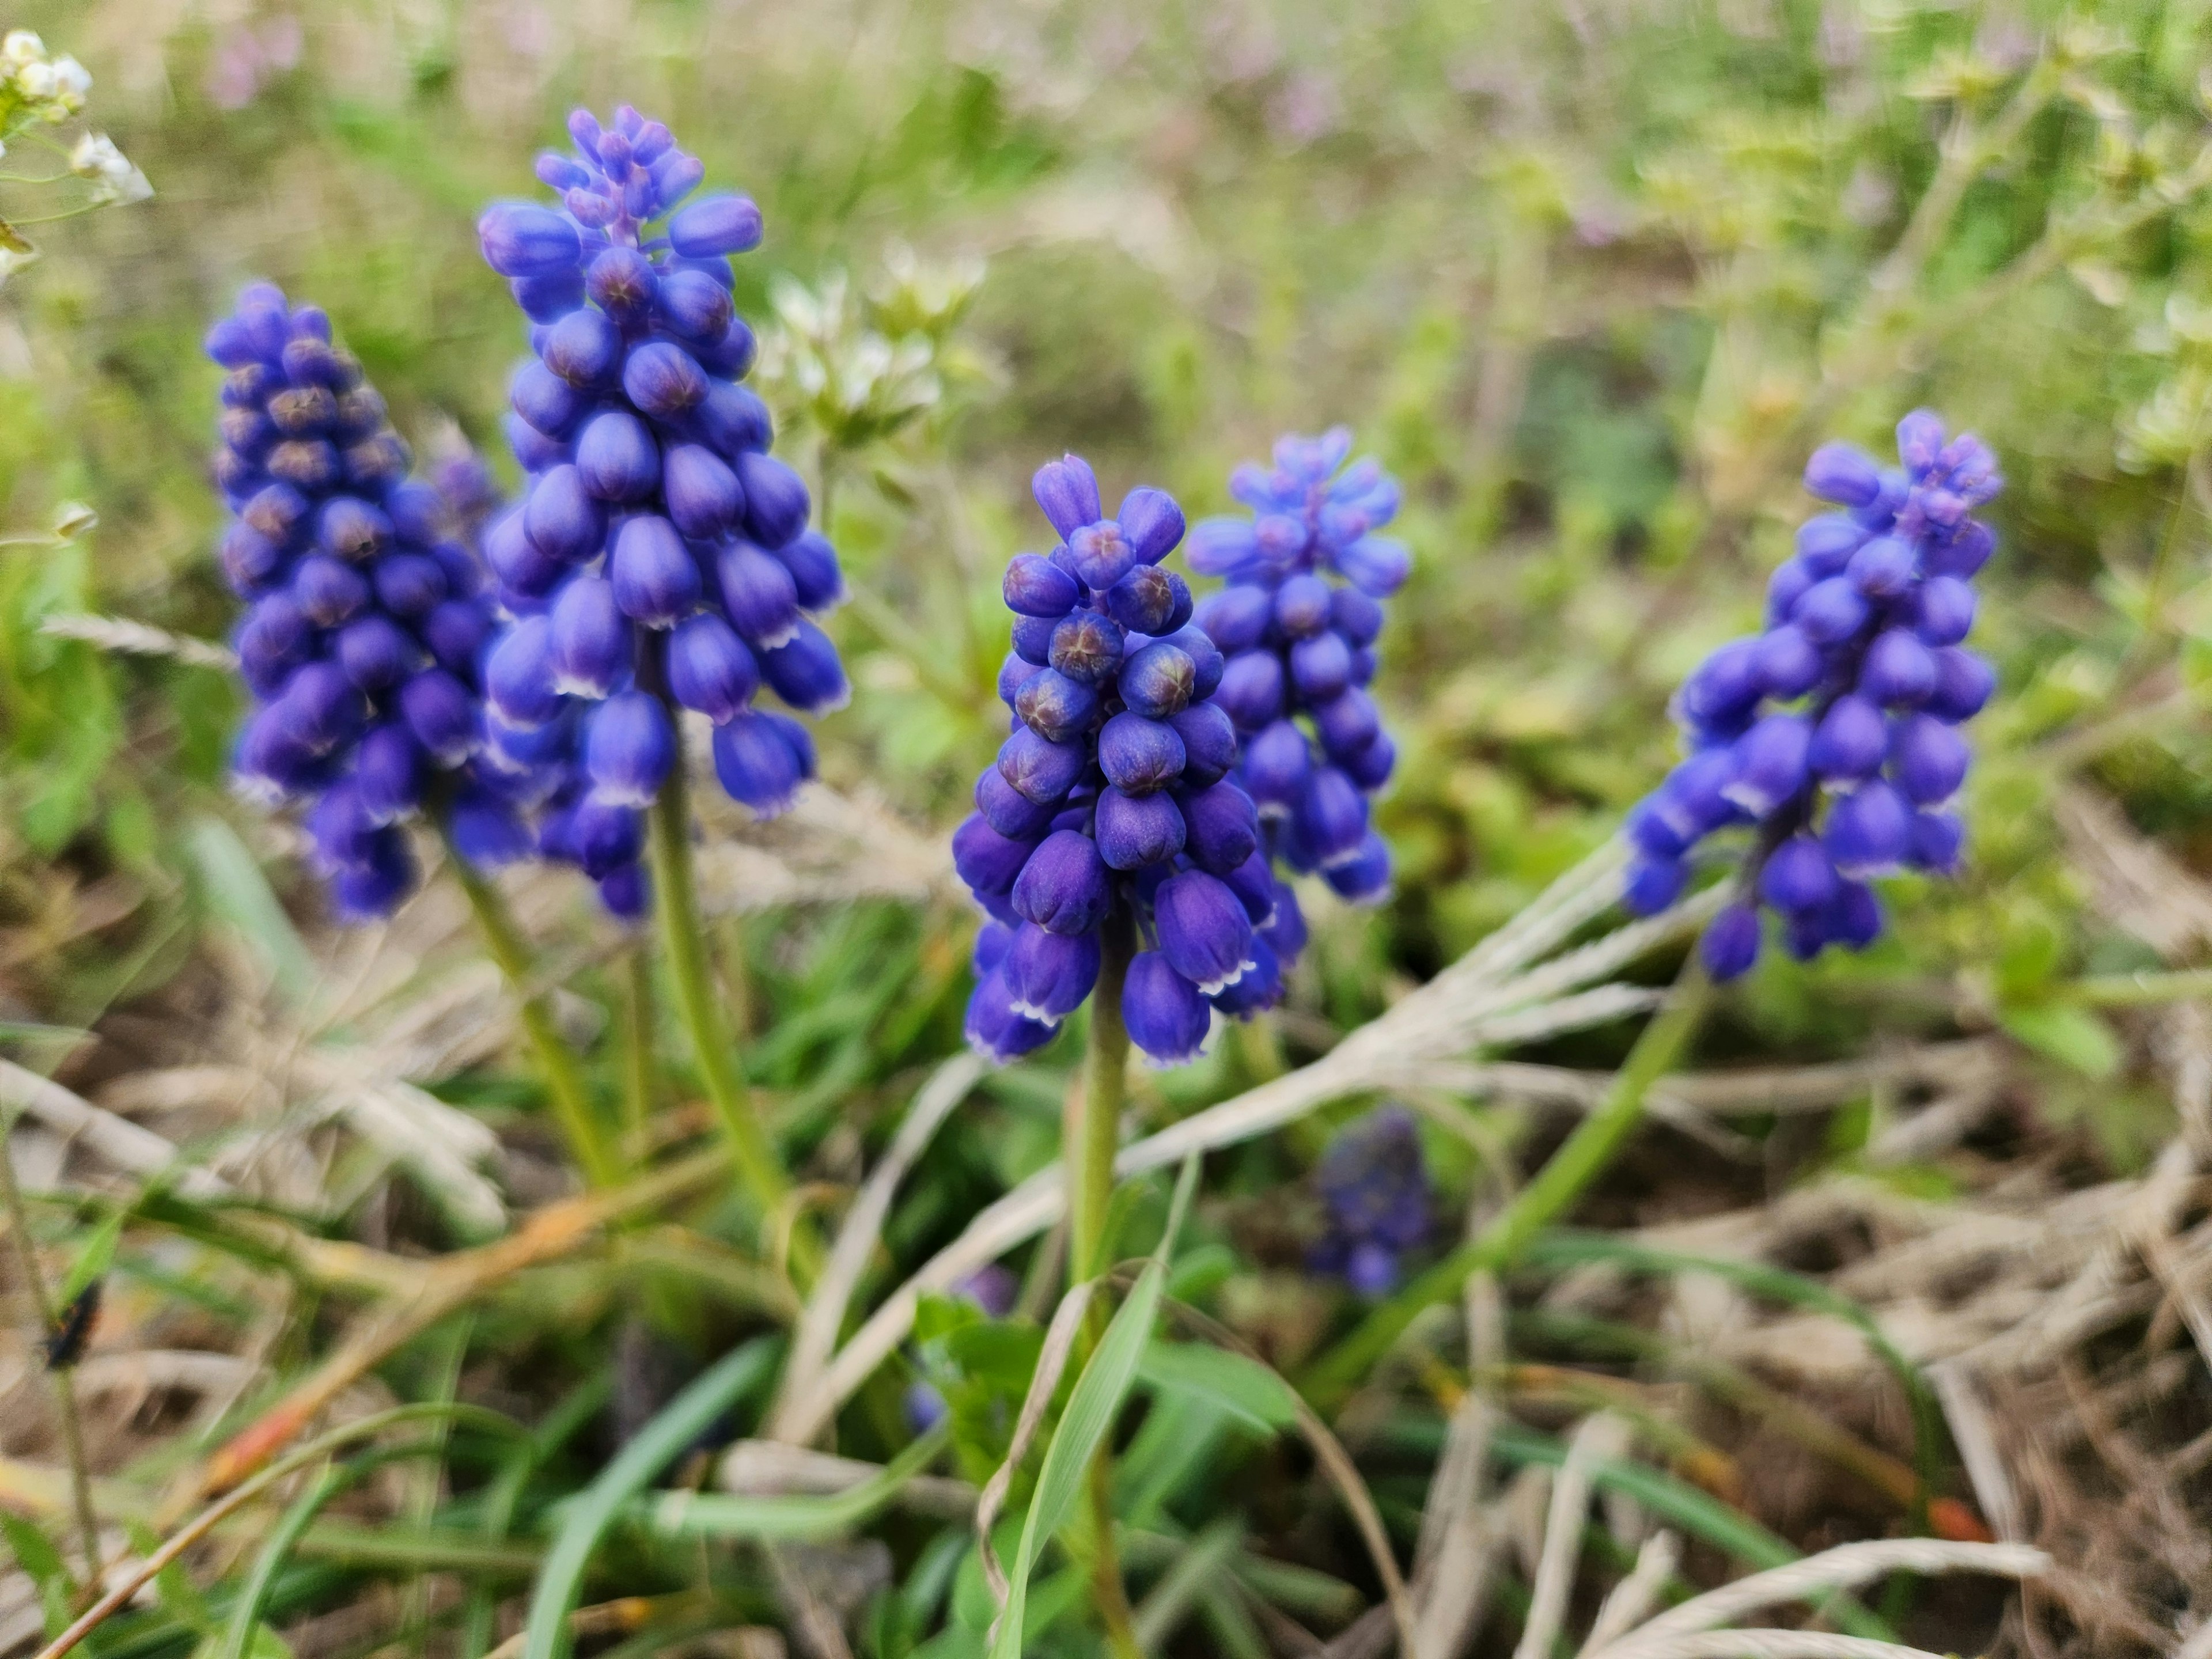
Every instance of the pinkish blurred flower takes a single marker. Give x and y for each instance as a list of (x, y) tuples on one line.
[(245, 58), (1304, 107)]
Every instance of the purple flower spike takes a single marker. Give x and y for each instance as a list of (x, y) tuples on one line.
[(1864, 626)]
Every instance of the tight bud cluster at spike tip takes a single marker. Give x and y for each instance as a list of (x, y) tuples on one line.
[(1114, 794), (1301, 650), (1834, 733), (661, 558), (1374, 1185), (367, 616)]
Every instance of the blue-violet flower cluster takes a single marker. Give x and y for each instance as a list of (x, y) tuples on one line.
[(1835, 733), (1297, 621), (659, 558), (1374, 1186), (1113, 797), (366, 618)]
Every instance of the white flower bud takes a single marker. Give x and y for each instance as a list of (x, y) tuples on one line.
[(21, 47)]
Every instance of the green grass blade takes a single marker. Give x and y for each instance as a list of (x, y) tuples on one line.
[(245, 1612), (239, 894), (727, 1515), (659, 1443), (1091, 1408)]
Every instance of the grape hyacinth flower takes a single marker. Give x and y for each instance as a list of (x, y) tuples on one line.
[(1834, 733), (1297, 621), (367, 616), (661, 558), (1112, 804), (1374, 1186)]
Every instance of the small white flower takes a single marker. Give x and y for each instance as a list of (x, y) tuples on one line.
[(72, 81), (21, 47), (114, 179), (36, 81)]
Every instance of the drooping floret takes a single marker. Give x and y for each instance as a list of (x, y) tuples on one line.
[(1374, 1187), (1834, 733), (1114, 796), (661, 558)]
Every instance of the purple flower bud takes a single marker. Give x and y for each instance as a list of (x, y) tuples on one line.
[(1331, 816), (549, 297), (1150, 600), (756, 765), (562, 518), (1853, 918), (1135, 830), (1040, 770), (1919, 440), (1209, 742), (1166, 1016), (775, 501), (805, 672), (1158, 682), (1967, 550), (519, 674), (733, 421), (995, 1030), (486, 831), (1830, 611), (1869, 831), (1964, 682), (1770, 762), (1222, 547), (703, 496), (1303, 607), (1064, 887), (1797, 876), (584, 348), (1056, 707), (376, 652), (519, 239), (1927, 759), (1099, 554), (1036, 586), (1320, 666), (1254, 883), (1046, 974), (655, 579), (549, 403), (1844, 474), (1013, 675), (1730, 944), (409, 585), (1138, 756), (617, 458), (1653, 884), (1826, 542), (326, 591), (535, 451), (1785, 587), (1067, 490), (1287, 932), (676, 175), (1787, 663), (606, 835), (1258, 988), (1937, 838), (1370, 767), (1086, 648), (1946, 611), (344, 833), (590, 640), (352, 530), (627, 892), (812, 563), (715, 225), (1656, 832), (1222, 827), (1354, 615), (1207, 664), (622, 283), (387, 773), (1884, 566), (441, 716), (370, 891), (1277, 763), (1153, 524), (1348, 725), (709, 669), (1364, 877), (695, 306), (1849, 741), (987, 861), (759, 595), (1032, 639), (249, 558), (1899, 670), (1203, 931), (1007, 810), (1376, 565), (275, 639), (664, 381), (456, 632)]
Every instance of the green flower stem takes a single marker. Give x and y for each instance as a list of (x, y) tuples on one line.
[(675, 907), (563, 1079), (1580, 1159), (1090, 1141), (638, 1082)]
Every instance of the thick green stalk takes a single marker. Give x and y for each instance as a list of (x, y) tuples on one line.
[(563, 1079), (676, 908), (1089, 1144), (1580, 1159)]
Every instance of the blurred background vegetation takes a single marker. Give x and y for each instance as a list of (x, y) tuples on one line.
[(1591, 276)]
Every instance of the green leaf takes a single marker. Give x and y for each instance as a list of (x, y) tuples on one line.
[(94, 1261), (239, 894), (1247, 1390), (1000, 1354), (2071, 1035), (659, 1443), (1091, 1409), (34, 1552), (726, 1515)]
